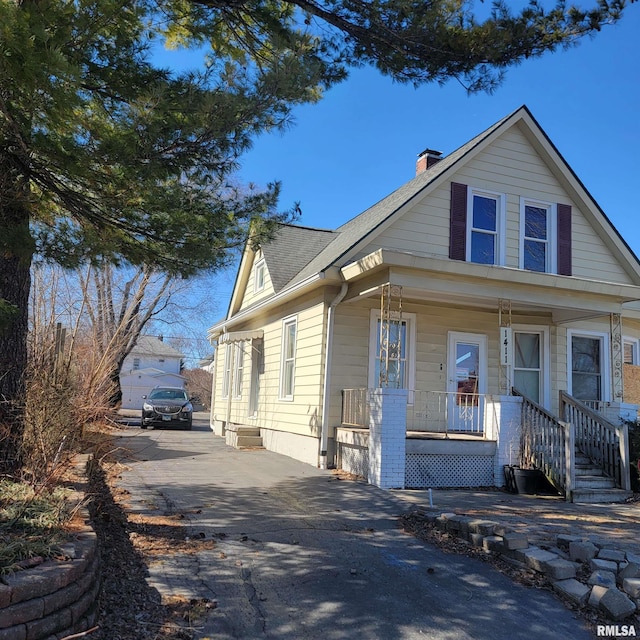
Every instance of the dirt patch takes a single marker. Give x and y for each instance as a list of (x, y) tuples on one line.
[(129, 608)]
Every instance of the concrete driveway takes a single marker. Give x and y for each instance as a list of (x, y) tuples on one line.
[(303, 555)]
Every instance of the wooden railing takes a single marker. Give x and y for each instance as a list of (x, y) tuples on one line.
[(605, 443), (546, 443)]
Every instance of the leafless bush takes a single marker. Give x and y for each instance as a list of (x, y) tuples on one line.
[(199, 384)]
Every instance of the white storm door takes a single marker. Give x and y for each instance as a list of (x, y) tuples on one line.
[(467, 381)]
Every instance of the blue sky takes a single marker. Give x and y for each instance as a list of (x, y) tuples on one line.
[(360, 142)]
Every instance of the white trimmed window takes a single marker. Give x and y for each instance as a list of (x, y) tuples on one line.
[(588, 365), (226, 372), (401, 362), (259, 275), (288, 358), (238, 369), (630, 351), (136, 363), (485, 227), (531, 362), (538, 236)]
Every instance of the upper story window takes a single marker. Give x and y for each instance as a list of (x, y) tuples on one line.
[(477, 226), (477, 231), (136, 363), (537, 236), (484, 222), (258, 283)]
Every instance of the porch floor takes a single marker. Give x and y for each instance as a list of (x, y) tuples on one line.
[(427, 435)]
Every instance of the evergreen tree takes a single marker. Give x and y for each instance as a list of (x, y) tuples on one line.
[(107, 158)]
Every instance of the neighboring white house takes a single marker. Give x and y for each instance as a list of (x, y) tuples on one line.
[(151, 363)]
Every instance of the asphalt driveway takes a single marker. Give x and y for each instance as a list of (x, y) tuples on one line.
[(301, 554)]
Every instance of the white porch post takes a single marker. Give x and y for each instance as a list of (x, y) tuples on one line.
[(387, 437)]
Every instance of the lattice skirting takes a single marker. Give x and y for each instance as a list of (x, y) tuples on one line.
[(428, 470), (353, 459)]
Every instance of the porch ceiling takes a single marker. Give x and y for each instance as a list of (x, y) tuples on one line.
[(482, 286)]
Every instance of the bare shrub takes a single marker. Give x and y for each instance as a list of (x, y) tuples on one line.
[(199, 383)]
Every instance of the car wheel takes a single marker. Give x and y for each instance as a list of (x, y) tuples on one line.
[(188, 425)]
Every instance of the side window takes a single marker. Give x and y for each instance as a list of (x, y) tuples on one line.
[(238, 369), (630, 350), (537, 236), (226, 374), (136, 363), (288, 358), (258, 283)]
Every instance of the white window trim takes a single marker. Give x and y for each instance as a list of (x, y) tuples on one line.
[(606, 359), (410, 319), (545, 355), (635, 346), (501, 226), (238, 370), (552, 233), (285, 322), (260, 267), (226, 370)]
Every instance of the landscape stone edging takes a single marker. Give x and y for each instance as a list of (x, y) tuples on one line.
[(57, 598), (617, 597)]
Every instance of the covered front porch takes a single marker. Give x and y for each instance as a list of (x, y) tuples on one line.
[(397, 438)]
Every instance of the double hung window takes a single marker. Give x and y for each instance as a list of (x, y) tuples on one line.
[(537, 236), (288, 358)]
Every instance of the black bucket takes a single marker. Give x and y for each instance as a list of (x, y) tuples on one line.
[(527, 480)]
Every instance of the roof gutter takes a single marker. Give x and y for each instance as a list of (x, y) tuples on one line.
[(284, 296), (324, 435)]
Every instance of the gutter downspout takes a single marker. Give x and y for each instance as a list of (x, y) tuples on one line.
[(324, 436)]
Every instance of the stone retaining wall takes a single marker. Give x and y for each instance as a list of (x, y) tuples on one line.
[(585, 572), (57, 598)]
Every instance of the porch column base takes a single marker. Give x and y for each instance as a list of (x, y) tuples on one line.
[(387, 437)]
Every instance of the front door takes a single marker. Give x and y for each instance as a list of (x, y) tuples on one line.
[(467, 381)]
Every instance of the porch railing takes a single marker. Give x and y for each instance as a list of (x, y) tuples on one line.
[(446, 411), (605, 443), (427, 411), (546, 443)]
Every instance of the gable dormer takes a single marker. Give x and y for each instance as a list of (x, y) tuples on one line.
[(258, 283)]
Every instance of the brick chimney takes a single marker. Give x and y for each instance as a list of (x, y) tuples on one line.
[(427, 159)]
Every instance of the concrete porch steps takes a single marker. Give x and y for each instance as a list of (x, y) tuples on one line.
[(593, 486), (249, 437)]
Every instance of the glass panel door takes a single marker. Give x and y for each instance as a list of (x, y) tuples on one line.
[(467, 367)]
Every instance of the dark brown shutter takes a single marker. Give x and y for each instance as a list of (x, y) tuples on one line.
[(458, 222), (564, 239)]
